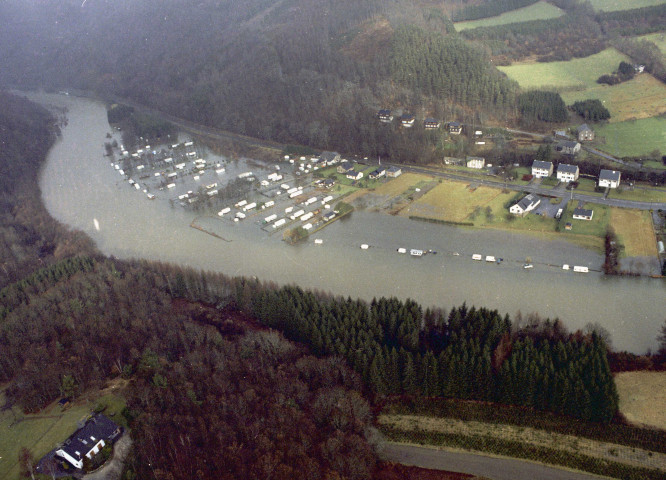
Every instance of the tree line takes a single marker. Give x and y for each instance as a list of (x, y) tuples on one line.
[(490, 8)]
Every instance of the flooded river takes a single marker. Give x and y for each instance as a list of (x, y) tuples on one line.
[(79, 187)]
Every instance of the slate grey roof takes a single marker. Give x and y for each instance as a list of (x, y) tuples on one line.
[(568, 143), (609, 175), (566, 168), (582, 212), (584, 128), (542, 165), (329, 156), (84, 439), (528, 201)]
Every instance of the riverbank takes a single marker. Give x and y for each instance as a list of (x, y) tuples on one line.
[(78, 186)]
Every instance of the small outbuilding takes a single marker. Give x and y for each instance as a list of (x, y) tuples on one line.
[(582, 214), (393, 172)]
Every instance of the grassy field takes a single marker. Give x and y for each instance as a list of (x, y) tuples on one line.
[(643, 397), (43, 431), (639, 195), (579, 73), (596, 227), (659, 39), (642, 97), (401, 184), (536, 11), (633, 137), (634, 231), (453, 201), (614, 5)]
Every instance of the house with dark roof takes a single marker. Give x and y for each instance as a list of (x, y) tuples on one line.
[(585, 133), (609, 179), (541, 169), (385, 116), (345, 167), (567, 173), (582, 214), (407, 120), (354, 175), (454, 128), (89, 440), (377, 173), (329, 158), (328, 183), (525, 205), (568, 147), (431, 123)]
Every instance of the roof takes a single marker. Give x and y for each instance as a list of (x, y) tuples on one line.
[(469, 158), (566, 168), (328, 156), (542, 165), (407, 117), (384, 112), (377, 171), (583, 128), (568, 143), (393, 169), (454, 124), (347, 165), (582, 212), (84, 439), (431, 120), (527, 201), (609, 175), (352, 173)]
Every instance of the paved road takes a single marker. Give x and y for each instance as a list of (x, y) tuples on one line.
[(491, 182), (495, 468)]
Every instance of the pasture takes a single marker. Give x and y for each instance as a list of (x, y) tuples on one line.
[(634, 231), (577, 74), (643, 397), (659, 39), (633, 137), (536, 11), (642, 97), (615, 5)]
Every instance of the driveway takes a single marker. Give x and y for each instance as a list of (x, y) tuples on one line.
[(114, 467), (494, 468)]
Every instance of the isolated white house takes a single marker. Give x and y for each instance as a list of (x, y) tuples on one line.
[(609, 179), (89, 440), (525, 205)]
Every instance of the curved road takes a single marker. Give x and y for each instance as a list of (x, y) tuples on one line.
[(494, 468)]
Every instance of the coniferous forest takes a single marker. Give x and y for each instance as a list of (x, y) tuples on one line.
[(204, 354)]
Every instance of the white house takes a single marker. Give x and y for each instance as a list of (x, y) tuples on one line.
[(567, 173), (89, 440), (393, 172), (476, 162), (582, 214), (526, 204), (354, 175), (609, 179), (541, 169)]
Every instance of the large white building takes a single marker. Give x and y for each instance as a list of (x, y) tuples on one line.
[(89, 440), (567, 173), (525, 205), (542, 169)]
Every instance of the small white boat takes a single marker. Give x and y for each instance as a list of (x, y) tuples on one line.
[(364, 246), (490, 258), (528, 265), (416, 253), (318, 241), (402, 250), (476, 256), (580, 269), (565, 267)]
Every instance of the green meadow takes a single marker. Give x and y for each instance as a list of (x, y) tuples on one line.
[(577, 74), (633, 137), (659, 39), (615, 5), (536, 11)]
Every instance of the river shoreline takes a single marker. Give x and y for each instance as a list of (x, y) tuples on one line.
[(78, 187)]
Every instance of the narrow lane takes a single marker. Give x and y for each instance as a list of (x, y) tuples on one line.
[(494, 468)]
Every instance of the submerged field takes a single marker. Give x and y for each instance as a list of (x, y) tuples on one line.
[(536, 11), (633, 137), (576, 74)]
